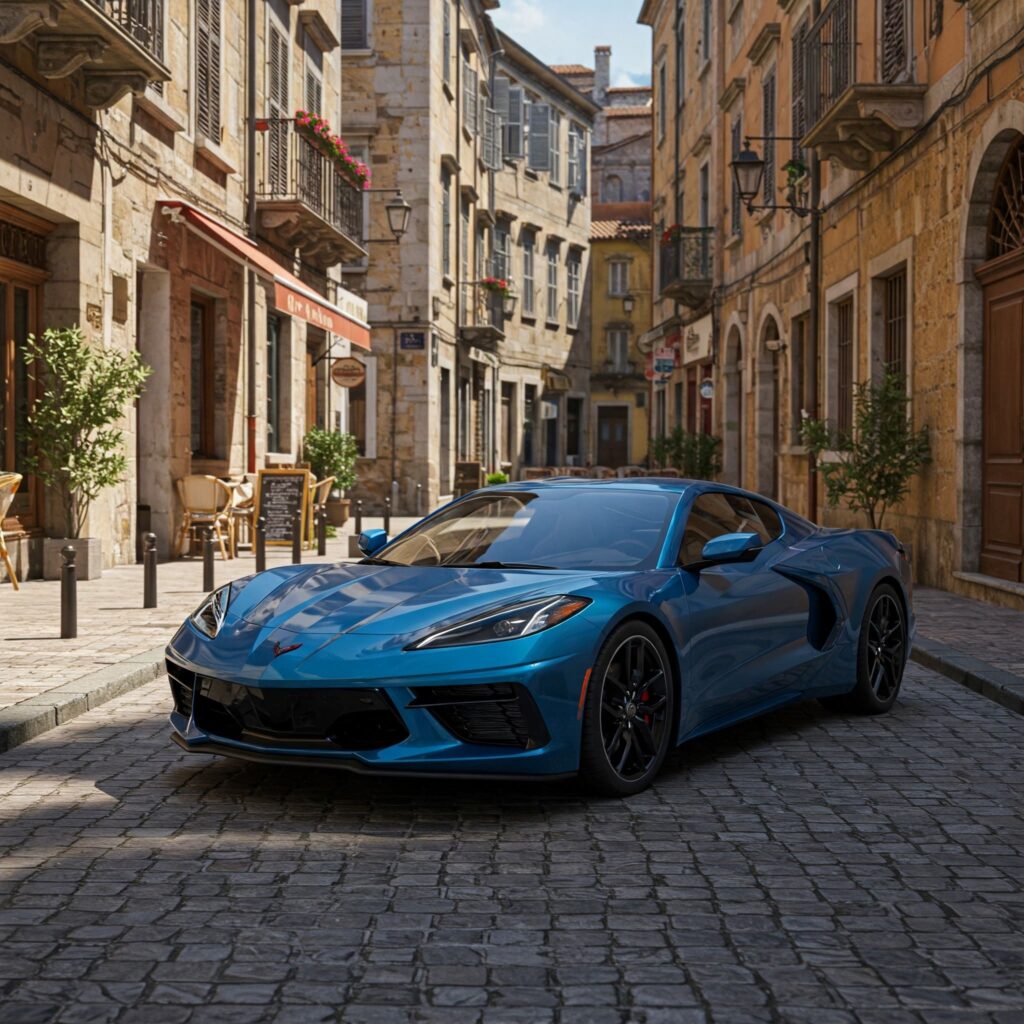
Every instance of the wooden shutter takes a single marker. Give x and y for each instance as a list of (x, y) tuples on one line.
[(540, 137), (447, 40), (894, 40), (799, 87), (583, 170), (208, 68), (470, 99), (768, 123), (354, 34), (314, 93), (277, 101), (573, 162), (489, 140), (514, 124)]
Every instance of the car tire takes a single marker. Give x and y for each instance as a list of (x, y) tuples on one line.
[(881, 656), (628, 713)]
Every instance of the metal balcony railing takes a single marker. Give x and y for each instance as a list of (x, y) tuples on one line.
[(141, 19), (293, 168), (686, 265), (831, 57)]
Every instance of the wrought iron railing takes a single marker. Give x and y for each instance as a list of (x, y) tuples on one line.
[(484, 307), (143, 20), (294, 168), (686, 259), (831, 60)]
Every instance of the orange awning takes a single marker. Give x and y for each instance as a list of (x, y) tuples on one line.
[(291, 295)]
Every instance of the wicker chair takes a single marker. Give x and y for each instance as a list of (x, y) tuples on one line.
[(9, 484), (601, 472), (631, 471), (536, 472), (240, 513), (205, 501), (319, 492)]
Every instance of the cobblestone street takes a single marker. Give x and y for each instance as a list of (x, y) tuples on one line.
[(804, 867)]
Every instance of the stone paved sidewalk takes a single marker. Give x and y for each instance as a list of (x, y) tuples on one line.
[(978, 645), (45, 680)]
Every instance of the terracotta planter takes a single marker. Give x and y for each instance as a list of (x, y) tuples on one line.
[(88, 557), (338, 511)]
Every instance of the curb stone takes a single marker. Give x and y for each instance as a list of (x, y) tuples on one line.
[(39, 714), (996, 684)]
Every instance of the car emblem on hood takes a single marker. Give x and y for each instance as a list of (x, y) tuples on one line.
[(279, 650)]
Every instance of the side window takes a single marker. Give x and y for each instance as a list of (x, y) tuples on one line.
[(711, 516), (756, 517)]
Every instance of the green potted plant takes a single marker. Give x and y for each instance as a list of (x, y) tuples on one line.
[(76, 443), (696, 456), (871, 468), (331, 453), (493, 479)]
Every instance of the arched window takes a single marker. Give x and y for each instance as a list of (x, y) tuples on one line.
[(1006, 221)]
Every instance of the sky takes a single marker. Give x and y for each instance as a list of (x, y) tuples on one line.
[(566, 32)]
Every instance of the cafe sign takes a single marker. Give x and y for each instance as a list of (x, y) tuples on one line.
[(348, 372)]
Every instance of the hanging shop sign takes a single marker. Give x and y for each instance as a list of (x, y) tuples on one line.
[(707, 389), (697, 341), (664, 360), (348, 372)]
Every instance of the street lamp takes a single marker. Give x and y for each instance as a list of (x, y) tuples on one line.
[(398, 211), (747, 172), (629, 303)]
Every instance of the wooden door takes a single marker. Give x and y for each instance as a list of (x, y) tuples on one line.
[(312, 392), (1002, 531), (613, 436)]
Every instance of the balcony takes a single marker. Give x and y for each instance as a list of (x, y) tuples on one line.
[(852, 116), (116, 44), (686, 266), (482, 320), (619, 373), (303, 201)]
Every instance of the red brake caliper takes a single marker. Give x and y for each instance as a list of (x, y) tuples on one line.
[(644, 698)]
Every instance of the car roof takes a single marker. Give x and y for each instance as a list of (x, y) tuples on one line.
[(664, 483)]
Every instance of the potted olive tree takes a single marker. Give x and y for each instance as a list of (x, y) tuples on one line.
[(76, 443), (331, 453), (871, 468)]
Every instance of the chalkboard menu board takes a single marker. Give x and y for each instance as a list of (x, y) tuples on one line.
[(280, 493)]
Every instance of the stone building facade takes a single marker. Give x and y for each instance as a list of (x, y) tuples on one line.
[(491, 149), (620, 297), (153, 194), (914, 115)]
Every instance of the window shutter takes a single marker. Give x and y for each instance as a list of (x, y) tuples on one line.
[(470, 100), (208, 68), (799, 87), (768, 123), (314, 93), (353, 25), (581, 158), (277, 140), (489, 140), (514, 124), (573, 164), (447, 40), (894, 40), (540, 137)]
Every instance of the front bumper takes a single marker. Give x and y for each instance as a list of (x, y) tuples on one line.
[(494, 721)]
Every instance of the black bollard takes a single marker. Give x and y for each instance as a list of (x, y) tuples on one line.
[(208, 583), (387, 515), (261, 544), (321, 534), (68, 595), (296, 538), (359, 516), (149, 570)]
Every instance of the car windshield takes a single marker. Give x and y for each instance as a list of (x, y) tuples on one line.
[(563, 528)]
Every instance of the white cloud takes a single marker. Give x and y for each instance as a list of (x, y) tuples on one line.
[(624, 78), (522, 16)]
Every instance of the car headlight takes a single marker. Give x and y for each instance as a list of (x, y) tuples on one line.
[(209, 616), (509, 623)]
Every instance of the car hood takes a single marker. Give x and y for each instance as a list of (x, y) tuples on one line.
[(389, 600)]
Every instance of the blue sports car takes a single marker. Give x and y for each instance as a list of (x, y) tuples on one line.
[(551, 628)]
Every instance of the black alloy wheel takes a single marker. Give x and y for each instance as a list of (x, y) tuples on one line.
[(628, 716), (881, 656)]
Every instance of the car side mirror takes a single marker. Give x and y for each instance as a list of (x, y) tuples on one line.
[(371, 541), (729, 547)]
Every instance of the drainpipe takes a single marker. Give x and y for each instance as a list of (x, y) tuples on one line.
[(814, 313), (250, 175)]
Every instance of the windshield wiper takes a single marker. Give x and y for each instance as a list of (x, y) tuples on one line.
[(498, 565)]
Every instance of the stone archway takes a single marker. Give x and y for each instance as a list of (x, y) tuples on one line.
[(767, 406), (732, 435), (1002, 132)]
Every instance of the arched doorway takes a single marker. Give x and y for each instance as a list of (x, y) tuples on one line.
[(1002, 399), (767, 408), (732, 435)]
